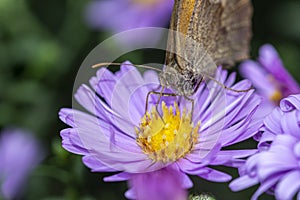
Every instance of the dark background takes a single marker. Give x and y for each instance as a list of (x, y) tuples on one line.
[(42, 45)]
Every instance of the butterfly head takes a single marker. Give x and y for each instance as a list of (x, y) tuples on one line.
[(183, 82)]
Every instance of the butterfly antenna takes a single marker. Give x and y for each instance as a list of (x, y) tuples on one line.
[(228, 88), (129, 64)]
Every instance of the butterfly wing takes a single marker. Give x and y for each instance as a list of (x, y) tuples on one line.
[(180, 21), (223, 27), (206, 31)]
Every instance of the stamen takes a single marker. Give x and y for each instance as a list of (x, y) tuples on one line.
[(276, 97), (168, 137)]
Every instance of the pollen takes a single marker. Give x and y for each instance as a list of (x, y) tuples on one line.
[(168, 137), (276, 97)]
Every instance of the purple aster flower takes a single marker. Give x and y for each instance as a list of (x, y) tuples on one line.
[(20, 153), (276, 168), (269, 77), (121, 15), (154, 151)]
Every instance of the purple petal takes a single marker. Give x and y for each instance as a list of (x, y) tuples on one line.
[(88, 99), (297, 150), (272, 121), (185, 181), (215, 176), (242, 130), (108, 145), (280, 155), (72, 142), (118, 177), (95, 165), (162, 184), (242, 183), (288, 186), (115, 119), (124, 89), (125, 15), (104, 83), (151, 77), (114, 156), (265, 186), (17, 163), (254, 72), (85, 121), (129, 194), (99, 11), (265, 140), (230, 79), (226, 156), (202, 154), (271, 61), (264, 109), (290, 103), (290, 124)]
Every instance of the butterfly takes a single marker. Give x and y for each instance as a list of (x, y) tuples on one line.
[(203, 35)]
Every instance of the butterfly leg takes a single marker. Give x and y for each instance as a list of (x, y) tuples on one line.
[(160, 94), (148, 95), (197, 86)]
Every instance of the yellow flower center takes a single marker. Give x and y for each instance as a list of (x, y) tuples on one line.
[(168, 137), (145, 2), (276, 97)]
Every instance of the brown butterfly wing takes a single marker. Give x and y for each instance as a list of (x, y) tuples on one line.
[(180, 22), (223, 27)]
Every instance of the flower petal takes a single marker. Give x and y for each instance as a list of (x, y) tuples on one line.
[(118, 177), (265, 140), (265, 186), (254, 72), (272, 62), (72, 142), (288, 186), (20, 153), (214, 175), (95, 165), (87, 122), (290, 124), (227, 157), (272, 121), (161, 185), (129, 194), (242, 183), (290, 103)]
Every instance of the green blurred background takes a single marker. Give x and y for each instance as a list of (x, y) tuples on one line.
[(42, 45)]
